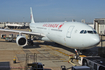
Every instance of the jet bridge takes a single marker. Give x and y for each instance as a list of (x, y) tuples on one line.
[(99, 25)]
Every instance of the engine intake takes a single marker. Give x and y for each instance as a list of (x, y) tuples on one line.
[(21, 41)]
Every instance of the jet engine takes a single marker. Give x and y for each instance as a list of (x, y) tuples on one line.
[(21, 41)]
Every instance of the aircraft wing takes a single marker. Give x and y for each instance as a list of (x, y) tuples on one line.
[(23, 32)]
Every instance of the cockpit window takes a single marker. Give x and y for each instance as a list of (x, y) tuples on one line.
[(82, 31), (85, 31), (95, 32), (89, 32)]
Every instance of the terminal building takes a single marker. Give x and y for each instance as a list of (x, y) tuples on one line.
[(17, 25), (14, 25), (2, 24)]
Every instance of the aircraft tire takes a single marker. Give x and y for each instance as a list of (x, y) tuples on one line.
[(30, 42)]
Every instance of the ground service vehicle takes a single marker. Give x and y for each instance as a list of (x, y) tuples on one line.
[(80, 68), (9, 39), (36, 66), (3, 36), (94, 62)]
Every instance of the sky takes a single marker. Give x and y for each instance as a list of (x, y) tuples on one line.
[(51, 10)]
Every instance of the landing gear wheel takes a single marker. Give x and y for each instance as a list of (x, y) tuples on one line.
[(76, 57), (30, 42), (77, 54)]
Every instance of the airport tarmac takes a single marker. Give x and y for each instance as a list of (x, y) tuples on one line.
[(52, 55), (49, 54)]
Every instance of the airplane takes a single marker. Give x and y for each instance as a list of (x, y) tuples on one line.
[(75, 35)]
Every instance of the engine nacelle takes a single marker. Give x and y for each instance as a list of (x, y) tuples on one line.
[(21, 41)]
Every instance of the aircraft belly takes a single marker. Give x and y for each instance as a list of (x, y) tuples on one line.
[(55, 38)]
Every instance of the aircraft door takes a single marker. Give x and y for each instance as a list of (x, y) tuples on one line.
[(69, 31)]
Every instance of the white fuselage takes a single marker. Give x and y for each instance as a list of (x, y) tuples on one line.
[(67, 34)]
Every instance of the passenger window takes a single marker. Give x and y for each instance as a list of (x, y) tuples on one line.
[(82, 31)]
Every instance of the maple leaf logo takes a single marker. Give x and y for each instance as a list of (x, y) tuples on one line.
[(60, 26), (31, 16)]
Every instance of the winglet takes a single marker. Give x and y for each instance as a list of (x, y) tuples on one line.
[(32, 19)]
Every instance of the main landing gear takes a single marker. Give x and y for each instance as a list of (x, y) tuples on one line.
[(30, 42)]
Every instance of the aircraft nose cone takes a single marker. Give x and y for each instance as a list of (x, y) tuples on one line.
[(95, 41)]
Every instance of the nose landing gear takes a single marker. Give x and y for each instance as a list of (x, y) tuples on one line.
[(77, 54)]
